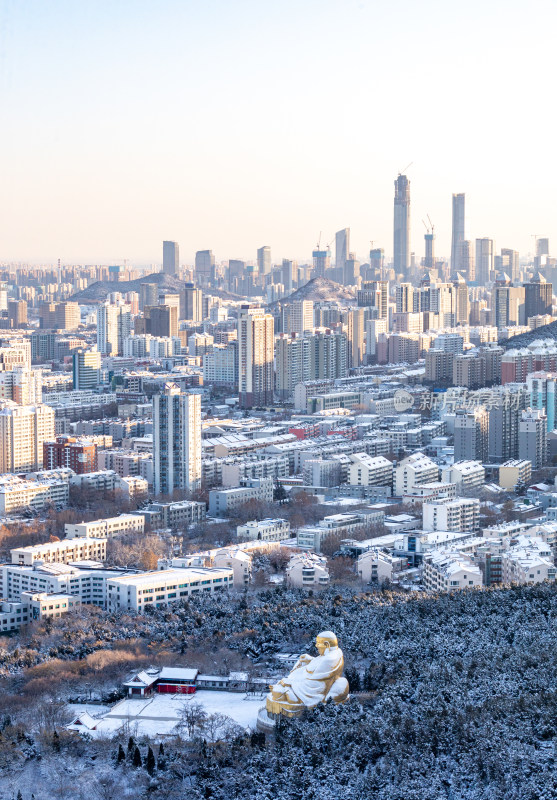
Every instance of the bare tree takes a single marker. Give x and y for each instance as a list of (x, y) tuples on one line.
[(192, 717)]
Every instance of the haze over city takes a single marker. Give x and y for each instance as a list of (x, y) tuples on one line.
[(233, 125)]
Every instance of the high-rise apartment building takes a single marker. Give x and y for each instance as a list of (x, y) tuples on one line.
[(86, 369), (292, 363), (170, 258), (485, 265), (471, 434), (22, 385), (255, 357), (68, 451), (532, 437), (401, 237), (176, 440), (17, 313), (355, 330), (264, 260), (113, 326), (458, 233), (404, 298), (193, 303), (301, 317), (509, 305), (342, 249), (23, 429)]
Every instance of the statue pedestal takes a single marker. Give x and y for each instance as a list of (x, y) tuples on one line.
[(264, 722)]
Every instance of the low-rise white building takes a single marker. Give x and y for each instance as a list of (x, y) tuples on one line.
[(529, 561), (462, 514), (377, 566), (106, 528), (265, 530), (164, 587), (18, 494), (514, 472), (413, 471), (368, 470), (238, 561), (225, 501), (89, 585), (13, 614), (307, 571), (468, 476), (61, 552), (449, 571)]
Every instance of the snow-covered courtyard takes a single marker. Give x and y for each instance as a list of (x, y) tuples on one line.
[(159, 715)]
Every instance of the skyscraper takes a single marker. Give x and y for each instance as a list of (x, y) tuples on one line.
[(468, 265), (538, 297), (458, 235), (170, 258), (342, 248), (176, 440), (377, 262), (255, 357), (113, 326), (264, 260), (23, 429), (401, 238), (484, 261), (510, 263), (205, 266), (193, 303), (321, 262), (429, 260)]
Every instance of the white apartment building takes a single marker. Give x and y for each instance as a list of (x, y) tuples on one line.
[(164, 587), (106, 528), (132, 486), (462, 514), (61, 552), (238, 561), (430, 491), (18, 494), (377, 566), (369, 470), (449, 571), (514, 472), (23, 429), (413, 471), (306, 571), (468, 476), (22, 385), (265, 530), (89, 585), (530, 561), (225, 501), (176, 440), (105, 480)]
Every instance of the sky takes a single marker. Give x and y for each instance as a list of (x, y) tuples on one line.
[(232, 124)]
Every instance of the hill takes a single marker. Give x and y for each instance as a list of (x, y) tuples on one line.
[(524, 339), (320, 290), (99, 291)]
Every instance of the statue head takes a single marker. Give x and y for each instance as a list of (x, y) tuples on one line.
[(325, 640)]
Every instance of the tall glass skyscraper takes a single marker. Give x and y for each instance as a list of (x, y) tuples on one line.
[(458, 236), (401, 239)]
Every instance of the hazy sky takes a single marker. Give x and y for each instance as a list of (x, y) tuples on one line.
[(229, 124)]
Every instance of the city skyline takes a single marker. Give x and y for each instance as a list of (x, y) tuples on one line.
[(92, 175)]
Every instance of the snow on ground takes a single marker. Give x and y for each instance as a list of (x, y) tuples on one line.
[(159, 714)]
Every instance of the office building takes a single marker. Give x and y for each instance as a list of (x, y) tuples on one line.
[(321, 262), (467, 261), (148, 295), (255, 357), (86, 369), (162, 320), (377, 262), (176, 440), (509, 302), (458, 233), (401, 237), (170, 258), (510, 263), (264, 260), (538, 297), (342, 249), (23, 429), (193, 303), (485, 266), (205, 267), (429, 241)]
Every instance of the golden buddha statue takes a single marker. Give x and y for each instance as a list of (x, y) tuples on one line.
[(313, 680)]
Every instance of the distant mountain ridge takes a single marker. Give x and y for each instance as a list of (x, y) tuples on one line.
[(99, 291)]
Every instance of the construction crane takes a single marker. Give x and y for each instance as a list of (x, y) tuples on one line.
[(431, 223), (318, 247), (402, 171)]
